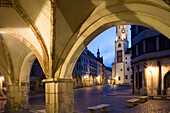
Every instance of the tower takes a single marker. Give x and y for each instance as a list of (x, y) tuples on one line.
[(121, 46), (98, 53)]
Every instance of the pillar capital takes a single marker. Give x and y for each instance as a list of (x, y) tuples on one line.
[(63, 80)]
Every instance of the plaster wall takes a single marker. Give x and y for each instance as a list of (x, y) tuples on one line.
[(128, 65)]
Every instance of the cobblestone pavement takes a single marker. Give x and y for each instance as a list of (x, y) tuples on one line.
[(91, 96), (116, 96)]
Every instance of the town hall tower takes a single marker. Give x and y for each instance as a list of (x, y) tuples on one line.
[(121, 68)]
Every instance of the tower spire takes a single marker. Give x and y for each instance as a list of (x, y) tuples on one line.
[(98, 53)]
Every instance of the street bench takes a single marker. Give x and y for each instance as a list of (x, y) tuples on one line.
[(132, 102), (143, 98), (163, 96), (103, 107)]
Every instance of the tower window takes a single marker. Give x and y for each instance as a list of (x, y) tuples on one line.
[(126, 76), (119, 45), (121, 69), (119, 56), (126, 62), (119, 37), (128, 69), (119, 78)]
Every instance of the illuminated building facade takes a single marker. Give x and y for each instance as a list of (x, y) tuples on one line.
[(89, 69), (121, 68), (150, 62), (108, 75)]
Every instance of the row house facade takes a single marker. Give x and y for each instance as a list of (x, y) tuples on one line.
[(89, 70)]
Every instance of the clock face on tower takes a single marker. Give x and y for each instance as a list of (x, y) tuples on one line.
[(123, 31)]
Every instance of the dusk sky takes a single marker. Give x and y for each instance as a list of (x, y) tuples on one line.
[(106, 44)]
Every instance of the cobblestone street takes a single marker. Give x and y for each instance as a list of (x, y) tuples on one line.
[(90, 96), (116, 96)]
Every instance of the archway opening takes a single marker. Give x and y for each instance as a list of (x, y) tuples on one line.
[(149, 51), (167, 83), (37, 88)]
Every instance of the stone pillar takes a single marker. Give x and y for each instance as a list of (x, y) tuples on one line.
[(137, 79), (59, 95), (145, 80), (17, 98), (159, 79)]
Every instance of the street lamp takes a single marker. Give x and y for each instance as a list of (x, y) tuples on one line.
[(1, 85)]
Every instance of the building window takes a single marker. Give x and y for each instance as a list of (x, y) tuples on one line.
[(128, 69), (126, 76), (119, 78), (151, 44), (119, 56), (140, 48), (134, 52), (119, 45), (121, 70), (164, 43), (126, 58), (126, 62), (119, 37)]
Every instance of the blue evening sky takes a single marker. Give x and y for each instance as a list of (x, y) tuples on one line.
[(106, 44)]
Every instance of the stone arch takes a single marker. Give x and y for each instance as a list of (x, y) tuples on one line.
[(167, 83), (105, 17), (29, 45), (26, 68)]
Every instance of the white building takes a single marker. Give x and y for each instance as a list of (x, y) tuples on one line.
[(121, 68)]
